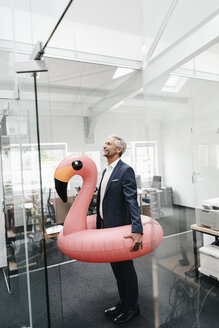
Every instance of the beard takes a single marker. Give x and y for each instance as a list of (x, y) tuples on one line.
[(105, 153)]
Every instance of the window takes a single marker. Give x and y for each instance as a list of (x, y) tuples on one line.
[(145, 160), (51, 155), (141, 155)]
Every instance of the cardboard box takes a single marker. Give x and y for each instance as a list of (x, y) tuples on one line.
[(62, 208)]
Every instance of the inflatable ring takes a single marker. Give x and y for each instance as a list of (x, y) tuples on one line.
[(79, 238)]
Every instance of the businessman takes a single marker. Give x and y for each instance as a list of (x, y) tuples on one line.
[(117, 206)]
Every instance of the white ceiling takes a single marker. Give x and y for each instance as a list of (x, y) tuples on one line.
[(141, 17), (84, 84)]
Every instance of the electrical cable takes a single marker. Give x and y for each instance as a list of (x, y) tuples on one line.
[(202, 305), (181, 293)]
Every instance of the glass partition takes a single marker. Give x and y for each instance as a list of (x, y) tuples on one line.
[(181, 114), (24, 239), (168, 117), (24, 292)]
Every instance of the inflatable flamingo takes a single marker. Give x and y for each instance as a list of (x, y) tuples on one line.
[(79, 238)]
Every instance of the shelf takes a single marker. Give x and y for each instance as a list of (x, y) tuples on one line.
[(205, 230)]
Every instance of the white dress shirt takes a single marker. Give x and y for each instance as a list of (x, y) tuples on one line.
[(109, 170)]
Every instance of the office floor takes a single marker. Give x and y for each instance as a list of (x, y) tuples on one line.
[(79, 292)]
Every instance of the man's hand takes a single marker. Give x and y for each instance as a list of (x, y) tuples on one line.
[(137, 241)]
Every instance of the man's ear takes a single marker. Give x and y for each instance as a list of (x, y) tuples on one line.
[(119, 150)]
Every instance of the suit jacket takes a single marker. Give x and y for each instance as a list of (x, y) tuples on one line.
[(120, 205)]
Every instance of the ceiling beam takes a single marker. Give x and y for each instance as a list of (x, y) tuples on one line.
[(112, 98), (126, 90), (200, 38), (196, 74), (162, 29), (72, 55)]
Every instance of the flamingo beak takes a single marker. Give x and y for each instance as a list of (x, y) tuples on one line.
[(61, 188), (62, 176)]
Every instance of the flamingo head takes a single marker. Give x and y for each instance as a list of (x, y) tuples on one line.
[(70, 166)]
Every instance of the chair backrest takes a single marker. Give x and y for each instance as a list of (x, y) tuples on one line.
[(138, 181), (156, 182), (51, 208)]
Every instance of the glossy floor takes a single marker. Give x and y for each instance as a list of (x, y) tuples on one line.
[(79, 292)]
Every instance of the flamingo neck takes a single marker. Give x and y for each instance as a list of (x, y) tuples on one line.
[(76, 219)]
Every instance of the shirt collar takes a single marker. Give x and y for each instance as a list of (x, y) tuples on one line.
[(113, 164)]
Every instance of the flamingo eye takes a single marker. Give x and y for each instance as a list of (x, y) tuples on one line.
[(77, 165)]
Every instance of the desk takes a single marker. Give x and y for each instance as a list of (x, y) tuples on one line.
[(205, 230), (140, 194)]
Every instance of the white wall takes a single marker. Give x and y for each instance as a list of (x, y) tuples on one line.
[(178, 161), (191, 144), (129, 128), (70, 129)]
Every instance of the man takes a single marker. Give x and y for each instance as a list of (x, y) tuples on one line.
[(117, 206)]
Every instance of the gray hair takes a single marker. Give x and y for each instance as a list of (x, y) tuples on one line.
[(120, 143)]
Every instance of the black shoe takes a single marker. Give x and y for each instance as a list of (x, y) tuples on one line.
[(126, 316), (114, 311)]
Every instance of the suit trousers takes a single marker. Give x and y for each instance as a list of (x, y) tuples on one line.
[(127, 283)]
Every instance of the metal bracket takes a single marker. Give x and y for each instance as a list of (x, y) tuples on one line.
[(34, 64), (37, 51), (31, 66)]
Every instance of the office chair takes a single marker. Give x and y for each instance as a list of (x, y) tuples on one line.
[(156, 182), (153, 197), (51, 230), (50, 209), (138, 180), (155, 185)]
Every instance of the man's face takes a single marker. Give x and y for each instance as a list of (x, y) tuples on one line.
[(110, 149)]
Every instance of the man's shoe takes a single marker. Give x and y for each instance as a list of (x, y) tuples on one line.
[(126, 316), (114, 311)]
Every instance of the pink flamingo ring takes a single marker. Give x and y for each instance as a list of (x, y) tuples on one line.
[(79, 239)]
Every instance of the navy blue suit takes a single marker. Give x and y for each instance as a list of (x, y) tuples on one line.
[(120, 208)]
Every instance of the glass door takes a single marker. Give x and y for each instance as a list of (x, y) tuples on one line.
[(22, 257)]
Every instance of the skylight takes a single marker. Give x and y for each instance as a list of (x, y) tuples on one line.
[(121, 71), (174, 83)]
